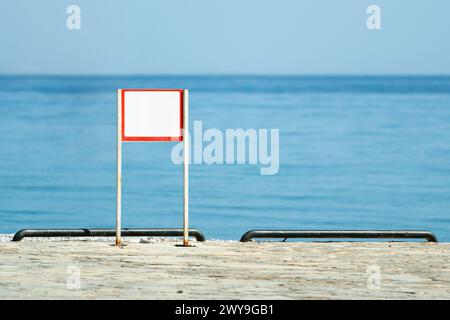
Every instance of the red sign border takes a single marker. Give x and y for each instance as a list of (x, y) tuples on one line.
[(177, 138)]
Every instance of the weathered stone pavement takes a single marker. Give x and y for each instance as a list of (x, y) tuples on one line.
[(224, 270)]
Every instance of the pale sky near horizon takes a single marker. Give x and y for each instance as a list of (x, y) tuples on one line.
[(225, 37)]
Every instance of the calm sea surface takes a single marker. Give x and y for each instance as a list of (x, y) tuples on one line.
[(355, 153)]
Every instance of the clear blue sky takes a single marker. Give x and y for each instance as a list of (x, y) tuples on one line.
[(225, 37)]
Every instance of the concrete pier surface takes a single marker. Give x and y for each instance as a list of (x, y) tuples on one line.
[(158, 269)]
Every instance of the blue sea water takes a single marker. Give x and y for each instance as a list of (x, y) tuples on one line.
[(355, 153)]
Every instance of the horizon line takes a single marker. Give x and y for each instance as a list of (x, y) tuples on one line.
[(225, 75)]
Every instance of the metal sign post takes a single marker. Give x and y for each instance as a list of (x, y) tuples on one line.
[(119, 170), (186, 168), (153, 115)]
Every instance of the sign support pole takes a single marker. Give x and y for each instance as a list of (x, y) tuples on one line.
[(119, 169), (186, 150)]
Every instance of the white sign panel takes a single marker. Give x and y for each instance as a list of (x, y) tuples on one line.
[(152, 114)]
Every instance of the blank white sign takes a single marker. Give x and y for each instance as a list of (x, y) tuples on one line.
[(151, 115)]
